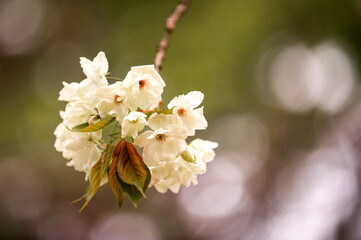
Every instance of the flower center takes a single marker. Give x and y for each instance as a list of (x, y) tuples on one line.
[(181, 112), (141, 84), (117, 99), (160, 137)]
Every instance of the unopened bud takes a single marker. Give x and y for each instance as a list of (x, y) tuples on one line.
[(187, 156)]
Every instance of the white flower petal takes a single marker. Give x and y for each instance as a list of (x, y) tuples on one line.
[(157, 121), (193, 120), (96, 69), (144, 86), (79, 147), (133, 123), (102, 61), (183, 109), (149, 69), (191, 100), (77, 113), (195, 97), (141, 140), (68, 93), (178, 172)]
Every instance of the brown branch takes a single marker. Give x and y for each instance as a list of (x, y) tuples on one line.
[(169, 28)]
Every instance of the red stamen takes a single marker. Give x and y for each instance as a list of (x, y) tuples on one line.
[(116, 99), (160, 137), (181, 112), (141, 84)]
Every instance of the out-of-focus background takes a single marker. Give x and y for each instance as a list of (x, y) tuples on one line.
[(282, 98)]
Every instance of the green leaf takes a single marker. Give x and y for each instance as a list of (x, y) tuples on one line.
[(96, 176), (131, 190), (129, 139), (130, 166), (109, 157), (96, 125), (114, 185), (80, 126)]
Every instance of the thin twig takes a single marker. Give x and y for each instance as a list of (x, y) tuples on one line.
[(169, 28)]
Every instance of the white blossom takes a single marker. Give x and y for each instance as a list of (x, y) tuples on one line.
[(171, 160), (77, 113), (95, 70), (112, 101), (80, 148), (85, 90), (205, 148), (69, 92), (174, 174), (163, 143), (171, 175), (183, 109), (133, 123), (157, 121), (145, 87)]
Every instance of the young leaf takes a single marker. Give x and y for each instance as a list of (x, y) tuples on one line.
[(132, 191), (114, 185), (130, 166), (97, 125), (109, 157), (80, 126), (96, 176)]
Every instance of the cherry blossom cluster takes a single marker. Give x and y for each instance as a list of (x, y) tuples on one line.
[(133, 108)]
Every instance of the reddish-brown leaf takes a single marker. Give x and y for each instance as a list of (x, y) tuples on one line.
[(130, 166), (112, 178)]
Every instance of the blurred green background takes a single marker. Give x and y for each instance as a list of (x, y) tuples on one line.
[(282, 98)]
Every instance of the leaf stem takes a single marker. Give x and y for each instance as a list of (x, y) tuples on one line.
[(113, 132)]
